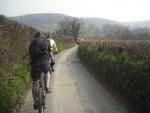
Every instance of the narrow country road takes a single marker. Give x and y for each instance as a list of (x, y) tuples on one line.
[(75, 90)]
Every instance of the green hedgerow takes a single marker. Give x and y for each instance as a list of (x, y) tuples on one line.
[(124, 73)]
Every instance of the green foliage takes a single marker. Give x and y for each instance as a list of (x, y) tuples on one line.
[(63, 46), (63, 43), (11, 89), (125, 74)]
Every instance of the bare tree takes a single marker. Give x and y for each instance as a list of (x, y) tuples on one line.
[(71, 26)]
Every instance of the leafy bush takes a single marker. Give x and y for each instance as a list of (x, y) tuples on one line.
[(127, 75)]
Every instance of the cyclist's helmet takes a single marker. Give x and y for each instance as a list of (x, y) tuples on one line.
[(39, 34), (49, 35)]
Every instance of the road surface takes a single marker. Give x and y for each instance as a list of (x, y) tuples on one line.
[(75, 90)]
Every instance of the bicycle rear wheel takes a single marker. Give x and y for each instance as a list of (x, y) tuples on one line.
[(40, 100)]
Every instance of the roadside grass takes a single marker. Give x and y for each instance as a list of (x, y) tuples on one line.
[(12, 88), (63, 46), (64, 43)]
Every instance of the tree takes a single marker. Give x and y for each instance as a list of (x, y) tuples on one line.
[(71, 26)]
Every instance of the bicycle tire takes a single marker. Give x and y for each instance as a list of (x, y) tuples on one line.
[(40, 101), (43, 98)]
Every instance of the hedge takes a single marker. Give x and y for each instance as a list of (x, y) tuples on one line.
[(127, 75)]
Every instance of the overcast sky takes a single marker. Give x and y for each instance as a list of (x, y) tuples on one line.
[(120, 10)]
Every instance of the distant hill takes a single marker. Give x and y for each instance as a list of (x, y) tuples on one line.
[(44, 22), (93, 26), (98, 22), (138, 24), (49, 22)]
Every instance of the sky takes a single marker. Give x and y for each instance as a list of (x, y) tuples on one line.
[(119, 10)]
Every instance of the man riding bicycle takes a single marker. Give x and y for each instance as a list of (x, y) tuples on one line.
[(39, 54), (53, 50)]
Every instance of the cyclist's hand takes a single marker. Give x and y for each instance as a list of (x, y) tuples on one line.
[(55, 52), (30, 63)]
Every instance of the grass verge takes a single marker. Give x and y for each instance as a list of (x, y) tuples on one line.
[(12, 88)]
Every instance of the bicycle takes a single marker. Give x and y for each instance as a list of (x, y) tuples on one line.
[(41, 94)]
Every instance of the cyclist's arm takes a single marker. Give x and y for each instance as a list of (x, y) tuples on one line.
[(55, 46), (29, 54), (49, 50)]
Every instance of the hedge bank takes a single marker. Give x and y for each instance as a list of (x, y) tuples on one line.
[(127, 75)]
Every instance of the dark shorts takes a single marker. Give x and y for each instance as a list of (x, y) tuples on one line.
[(38, 66)]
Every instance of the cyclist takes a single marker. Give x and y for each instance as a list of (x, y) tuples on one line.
[(38, 52), (53, 50)]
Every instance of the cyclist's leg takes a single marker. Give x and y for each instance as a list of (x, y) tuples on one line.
[(45, 67), (52, 57), (47, 81), (52, 63), (34, 93), (35, 82)]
